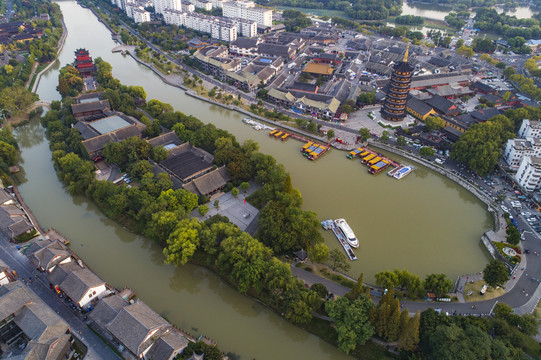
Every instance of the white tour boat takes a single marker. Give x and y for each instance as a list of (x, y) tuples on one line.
[(348, 233)]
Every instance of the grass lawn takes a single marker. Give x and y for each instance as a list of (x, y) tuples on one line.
[(475, 288)]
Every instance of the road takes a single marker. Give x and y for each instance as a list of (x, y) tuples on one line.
[(25, 269)]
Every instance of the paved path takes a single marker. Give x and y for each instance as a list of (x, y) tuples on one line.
[(97, 349), (27, 210)]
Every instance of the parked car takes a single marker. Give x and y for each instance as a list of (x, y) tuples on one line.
[(531, 220), (504, 208)]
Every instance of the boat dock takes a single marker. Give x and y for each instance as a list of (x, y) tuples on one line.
[(313, 151), (376, 162), (329, 225), (400, 171)]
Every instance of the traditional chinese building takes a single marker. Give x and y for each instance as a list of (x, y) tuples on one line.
[(84, 63), (394, 107)]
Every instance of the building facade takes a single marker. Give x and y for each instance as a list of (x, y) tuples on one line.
[(516, 149), (247, 10), (529, 173), (394, 107), (530, 129)]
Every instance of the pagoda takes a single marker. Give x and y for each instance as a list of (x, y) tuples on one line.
[(84, 63), (394, 106)]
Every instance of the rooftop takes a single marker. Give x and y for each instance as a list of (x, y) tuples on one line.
[(109, 124), (320, 69)]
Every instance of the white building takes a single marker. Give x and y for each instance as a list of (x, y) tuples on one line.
[(516, 149), (530, 129), (219, 27), (529, 173), (202, 4), (246, 28), (161, 5), (119, 4), (247, 10), (217, 4), (140, 15), (175, 17)]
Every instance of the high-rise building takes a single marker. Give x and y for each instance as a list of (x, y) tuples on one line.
[(247, 10), (394, 106), (161, 5)]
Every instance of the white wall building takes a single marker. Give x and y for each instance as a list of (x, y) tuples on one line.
[(219, 27), (247, 10), (516, 149), (530, 129), (202, 4), (217, 3), (529, 173), (161, 5), (140, 15)]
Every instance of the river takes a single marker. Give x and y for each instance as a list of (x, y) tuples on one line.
[(439, 12), (424, 223)]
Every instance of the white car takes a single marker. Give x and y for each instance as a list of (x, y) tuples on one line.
[(504, 208), (531, 220), (525, 213)]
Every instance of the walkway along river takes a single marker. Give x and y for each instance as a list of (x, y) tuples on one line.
[(424, 223)]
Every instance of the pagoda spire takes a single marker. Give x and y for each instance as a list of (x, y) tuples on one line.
[(406, 54)]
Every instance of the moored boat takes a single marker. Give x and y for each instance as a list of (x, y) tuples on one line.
[(348, 233), (400, 173)]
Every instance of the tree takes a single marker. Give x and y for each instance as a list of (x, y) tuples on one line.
[(364, 133), (182, 242), (338, 261), (506, 96), (244, 186), (351, 319), (481, 145), (401, 141), (8, 153), (367, 98), (387, 279), (159, 154), (162, 225), (450, 342), (426, 151), (320, 289), (217, 204), (495, 273), (330, 134), (385, 135), (434, 123), (203, 210), (409, 337), (16, 99), (358, 289), (235, 192), (318, 253), (465, 51), (509, 71), (438, 284), (245, 260)]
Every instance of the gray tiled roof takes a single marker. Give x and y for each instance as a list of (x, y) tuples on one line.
[(13, 297), (107, 309), (134, 323), (4, 196), (167, 346), (78, 282), (20, 227), (50, 255), (61, 272)]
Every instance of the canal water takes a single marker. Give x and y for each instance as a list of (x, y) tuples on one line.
[(439, 12), (424, 223)]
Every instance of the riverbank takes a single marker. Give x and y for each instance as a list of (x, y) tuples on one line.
[(58, 49)]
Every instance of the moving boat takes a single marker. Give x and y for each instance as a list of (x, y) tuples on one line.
[(348, 233)]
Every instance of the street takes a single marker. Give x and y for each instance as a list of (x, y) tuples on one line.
[(26, 270)]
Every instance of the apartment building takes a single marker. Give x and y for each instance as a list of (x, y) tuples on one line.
[(202, 4), (529, 173), (530, 129), (161, 5), (247, 10), (516, 149)]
